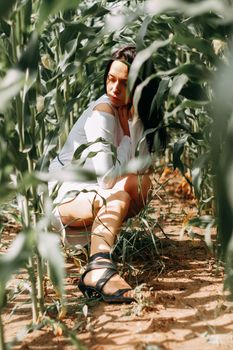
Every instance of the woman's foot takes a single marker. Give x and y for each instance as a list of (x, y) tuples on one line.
[(101, 280), (115, 283)]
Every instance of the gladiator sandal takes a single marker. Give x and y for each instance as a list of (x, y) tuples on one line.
[(97, 291)]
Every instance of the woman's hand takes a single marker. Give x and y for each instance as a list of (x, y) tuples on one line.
[(125, 113)]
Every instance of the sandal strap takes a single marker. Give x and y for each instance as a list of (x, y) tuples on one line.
[(100, 265), (120, 292), (105, 278), (94, 265), (104, 255)]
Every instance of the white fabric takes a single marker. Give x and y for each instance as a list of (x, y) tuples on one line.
[(92, 125)]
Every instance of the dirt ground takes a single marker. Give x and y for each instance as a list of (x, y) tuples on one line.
[(181, 303)]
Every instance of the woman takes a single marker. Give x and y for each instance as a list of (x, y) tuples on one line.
[(108, 124)]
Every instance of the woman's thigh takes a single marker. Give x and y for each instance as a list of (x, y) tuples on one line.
[(82, 210), (138, 187)]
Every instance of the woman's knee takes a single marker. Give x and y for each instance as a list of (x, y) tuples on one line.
[(138, 186), (146, 184), (119, 195)]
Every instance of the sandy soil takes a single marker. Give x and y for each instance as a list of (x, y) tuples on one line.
[(181, 303)]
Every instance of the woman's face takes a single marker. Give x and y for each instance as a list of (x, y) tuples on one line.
[(116, 83)]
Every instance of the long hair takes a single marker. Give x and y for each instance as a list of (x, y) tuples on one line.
[(151, 116)]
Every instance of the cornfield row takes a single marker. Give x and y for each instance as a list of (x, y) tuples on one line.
[(52, 59)]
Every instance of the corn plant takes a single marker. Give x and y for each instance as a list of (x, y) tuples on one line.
[(52, 59), (36, 80)]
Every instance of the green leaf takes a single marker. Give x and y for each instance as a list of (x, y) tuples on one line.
[(160, 94), (222, 136), (72, 68), (177, 152), (142, 32), (30, 57), (49, 249), (137, 165), (28, 13), (194, 91), (186, 104), (202, 221), (75, 30), (142, 57), (115, 22), (178, 126), (49, 143), (15, 258), (70, 49), (6, 28), (198, 166), (50, 7), (195, 72), (139, 89), (5, 7), (22, 75), (10, 86), (83, 147), (202, 45), (178, 82), (74, 173), (95, 11), (155, 7), (28, 142)]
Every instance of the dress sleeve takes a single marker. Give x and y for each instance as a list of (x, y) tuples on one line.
[(109, 160)]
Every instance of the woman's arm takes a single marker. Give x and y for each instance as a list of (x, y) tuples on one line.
[(107, 165)]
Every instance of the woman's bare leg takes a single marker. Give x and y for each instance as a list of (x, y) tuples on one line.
[(108, 220), (106, 226), (81, 211), (127, 197)]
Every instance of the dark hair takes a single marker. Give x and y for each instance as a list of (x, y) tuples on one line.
[(150, 118), (149, 112), (125, 54)]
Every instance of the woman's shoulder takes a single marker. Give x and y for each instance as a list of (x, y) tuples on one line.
[(103, 104), (103, 99), (104, 107)]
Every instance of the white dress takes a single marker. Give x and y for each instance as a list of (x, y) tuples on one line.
[(107, 166)]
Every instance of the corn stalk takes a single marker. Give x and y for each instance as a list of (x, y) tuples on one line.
[(53, 57)]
